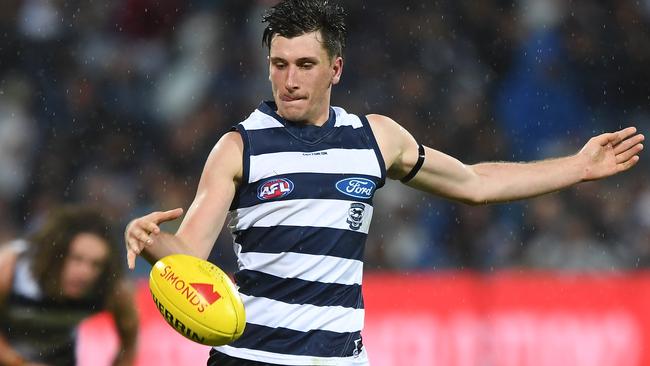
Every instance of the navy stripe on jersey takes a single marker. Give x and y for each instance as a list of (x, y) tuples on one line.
[(273, 140), (320, 343), (297, 291), (373, 141), (70, 305), (305, 187), (246, 163), (307, 240), (308, 134)]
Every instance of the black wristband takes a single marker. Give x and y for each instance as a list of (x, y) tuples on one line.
[(417, 166)]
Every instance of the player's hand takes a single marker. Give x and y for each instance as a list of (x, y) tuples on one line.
[(139, 231), (611, 153)]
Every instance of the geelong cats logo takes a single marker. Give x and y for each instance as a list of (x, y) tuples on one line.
[(355, 215)]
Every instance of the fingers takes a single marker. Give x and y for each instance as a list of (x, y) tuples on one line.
[(628, 164), (151, 227), (627, 154), (136, 241), (628, 143), (163, 216), (130, 258), (615, 138), (134, 246), (138, 234)]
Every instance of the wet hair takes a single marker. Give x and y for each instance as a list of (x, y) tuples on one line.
[(51, 246), (293, 18)]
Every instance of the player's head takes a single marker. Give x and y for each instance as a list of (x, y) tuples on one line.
[(306, 39), (293, 18), (73, 255)]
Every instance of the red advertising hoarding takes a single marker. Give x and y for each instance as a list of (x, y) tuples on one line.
[(455, 319)]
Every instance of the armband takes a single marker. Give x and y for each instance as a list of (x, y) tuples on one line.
[(417, 166)]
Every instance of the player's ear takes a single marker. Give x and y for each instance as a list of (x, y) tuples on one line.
[(337, 69)]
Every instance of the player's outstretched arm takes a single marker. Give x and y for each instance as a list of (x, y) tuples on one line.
[(205, 217), (443, 175)]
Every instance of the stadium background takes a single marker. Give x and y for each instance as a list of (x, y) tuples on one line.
[(118, 104)]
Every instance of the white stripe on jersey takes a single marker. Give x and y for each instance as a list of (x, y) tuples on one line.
[(302, 317), (345, 119), (24, 282), (308, 267), (284, 359), (308, 212), (331, 161), (260, 121)]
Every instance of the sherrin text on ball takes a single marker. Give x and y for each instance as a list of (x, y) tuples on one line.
[(197, 299)]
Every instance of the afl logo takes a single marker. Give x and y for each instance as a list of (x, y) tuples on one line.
[(356, 187), (274, 188)]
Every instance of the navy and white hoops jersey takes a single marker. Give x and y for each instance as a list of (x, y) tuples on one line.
[(299, 220)]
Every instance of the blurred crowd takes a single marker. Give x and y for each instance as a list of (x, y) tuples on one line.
[(118, 104)]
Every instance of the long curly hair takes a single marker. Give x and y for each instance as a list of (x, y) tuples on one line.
[(51, 245)]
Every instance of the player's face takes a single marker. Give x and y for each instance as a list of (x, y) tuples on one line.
[(302, 75), (84, 263)]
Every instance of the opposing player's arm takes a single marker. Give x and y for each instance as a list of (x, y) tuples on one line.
[(8, 356), (121, 305), (8, 258), (443, 175), (205, 217)]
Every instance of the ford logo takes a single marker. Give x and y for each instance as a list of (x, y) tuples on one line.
[(356, 187)]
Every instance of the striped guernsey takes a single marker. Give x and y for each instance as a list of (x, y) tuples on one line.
[(299, 221)]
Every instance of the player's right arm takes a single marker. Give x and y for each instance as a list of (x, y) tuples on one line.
[(205, 217)]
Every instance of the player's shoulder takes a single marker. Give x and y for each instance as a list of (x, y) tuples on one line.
[(382, 121), (229, 144), (8, 256), (392, 138), (10, 251), (222, 159), (232, 138), (385, 126)]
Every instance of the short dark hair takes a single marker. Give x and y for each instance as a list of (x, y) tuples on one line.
[(293, 18)]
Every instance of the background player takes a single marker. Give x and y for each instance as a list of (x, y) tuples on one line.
[(56, 278)]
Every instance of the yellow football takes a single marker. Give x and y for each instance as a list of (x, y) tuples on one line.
[(197, 299)]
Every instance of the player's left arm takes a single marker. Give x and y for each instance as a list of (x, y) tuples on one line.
[(602, 156), (121, 305)]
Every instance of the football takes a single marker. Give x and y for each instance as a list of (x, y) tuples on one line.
[(197, 299)]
